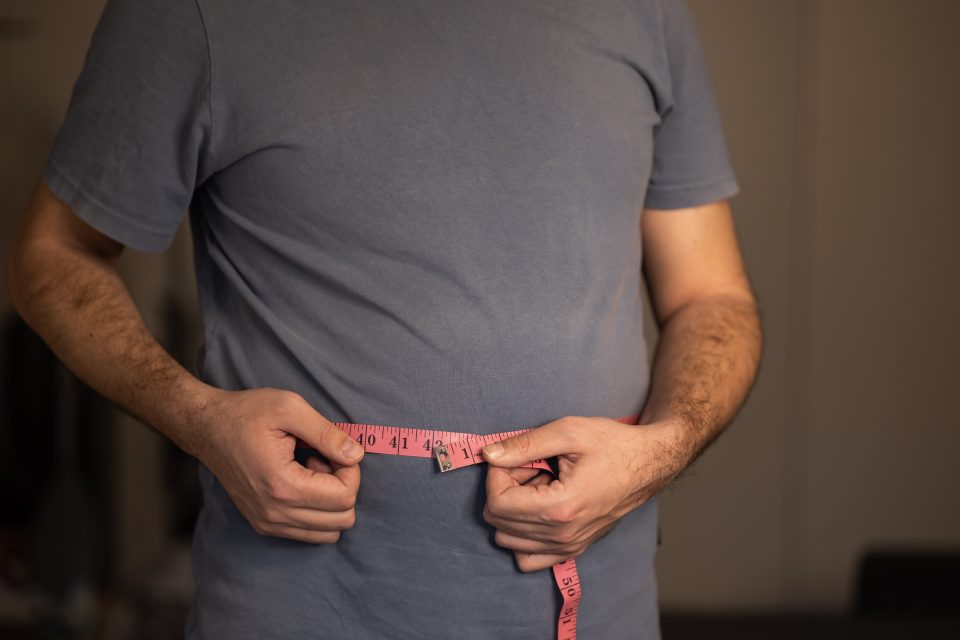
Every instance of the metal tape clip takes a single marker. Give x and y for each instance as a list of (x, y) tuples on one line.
[(443, 459)]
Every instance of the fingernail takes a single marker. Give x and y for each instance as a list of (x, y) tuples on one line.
[(493, 450), (351, 450)]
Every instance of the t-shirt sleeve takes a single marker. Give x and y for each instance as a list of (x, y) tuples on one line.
[(690, 161), (133, 143)]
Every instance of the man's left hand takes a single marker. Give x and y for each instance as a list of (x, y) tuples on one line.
[(606, 469)]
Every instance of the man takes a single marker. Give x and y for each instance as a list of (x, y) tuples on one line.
[(422, 214)]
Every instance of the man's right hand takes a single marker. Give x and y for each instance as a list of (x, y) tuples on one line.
[(64, 282), (249, 445)]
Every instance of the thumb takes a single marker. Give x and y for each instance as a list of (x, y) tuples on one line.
[(324, 436), (335, 444), (552, 439)]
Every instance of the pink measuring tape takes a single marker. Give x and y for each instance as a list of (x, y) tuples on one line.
[(454, 450)]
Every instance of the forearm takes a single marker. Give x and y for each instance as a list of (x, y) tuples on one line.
[(705, 364), (76, 301), (704, 367)]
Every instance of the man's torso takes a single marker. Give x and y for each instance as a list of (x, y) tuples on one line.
[(425, 214)]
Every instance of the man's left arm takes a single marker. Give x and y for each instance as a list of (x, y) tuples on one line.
[(705, 364)]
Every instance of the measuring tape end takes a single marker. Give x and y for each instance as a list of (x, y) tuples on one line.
[(443, 459)]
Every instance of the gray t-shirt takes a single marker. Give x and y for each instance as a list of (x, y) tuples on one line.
[(420, 213)]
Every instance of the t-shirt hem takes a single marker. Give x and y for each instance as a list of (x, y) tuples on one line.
[(101, 217), (690, 195)]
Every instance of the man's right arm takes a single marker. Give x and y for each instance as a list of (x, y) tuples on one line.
[(64, 282)]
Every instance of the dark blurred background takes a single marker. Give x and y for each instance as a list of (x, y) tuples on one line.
[(830, 509)]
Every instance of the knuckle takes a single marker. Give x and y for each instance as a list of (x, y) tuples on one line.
[(560, 514), (349, 519), (526, 565), (570, 513), (522, 444), (346, 501), (292, 397), (334, 435), (329, 537), (570, 428), (503, 539), (564, 538), (269, 515), (289, 400), (277, 491)]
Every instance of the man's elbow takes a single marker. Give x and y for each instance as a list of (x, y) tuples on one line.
[(736, 296), (23, 269)]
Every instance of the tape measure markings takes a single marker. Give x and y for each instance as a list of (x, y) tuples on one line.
[(468, 450), (568, 580), (454, 450)]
